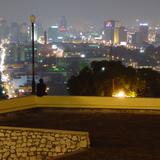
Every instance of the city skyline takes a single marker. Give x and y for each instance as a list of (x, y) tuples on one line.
[(81, 13)]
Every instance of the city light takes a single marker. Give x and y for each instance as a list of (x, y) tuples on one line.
[(143, 24), (83, 55), (123, 94), (119, 94), (5, 77)]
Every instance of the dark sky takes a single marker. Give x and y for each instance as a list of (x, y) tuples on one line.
[(81, 12)]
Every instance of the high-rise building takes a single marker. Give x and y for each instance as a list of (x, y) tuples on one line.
[(53, 33), (122, 34), (136, 39), (14, 32), (157, 37), (114, 33), (143, 30), (39, 31), (109, 30), (116, 36), (4, 29), (24, 33), (157, 40), (63, 24)]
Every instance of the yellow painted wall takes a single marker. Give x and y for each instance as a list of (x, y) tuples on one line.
[(78, 102)]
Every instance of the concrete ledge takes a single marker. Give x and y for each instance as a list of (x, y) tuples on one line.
[(79, 102), (98, 102), (17, 104)]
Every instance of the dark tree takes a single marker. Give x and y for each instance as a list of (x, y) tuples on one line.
[(103, 78), (152, 82)]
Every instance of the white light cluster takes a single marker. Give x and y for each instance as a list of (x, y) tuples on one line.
[(5, 78)]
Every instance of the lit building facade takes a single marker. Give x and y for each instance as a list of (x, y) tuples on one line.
[(143, 30), (109, 30), (14, 32), (53, 33), (114, 33)]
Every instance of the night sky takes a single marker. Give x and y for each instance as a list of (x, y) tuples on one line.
[(82, 12)]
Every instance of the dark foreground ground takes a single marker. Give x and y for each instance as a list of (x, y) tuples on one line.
[(114, 135)]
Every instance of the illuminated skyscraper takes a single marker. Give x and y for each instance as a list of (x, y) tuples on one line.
[(157, 37), (143, 30), (24, 33), (136, 39), (109, 29), (114, 33), (53, 33), (122, 34), (4, 29), (14, 32), (39, 30), (63, 24)]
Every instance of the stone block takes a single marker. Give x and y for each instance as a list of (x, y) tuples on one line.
[(33, 158), (31, 153), (24, 154), (6, 155), (29, 144), (42, 145), (57, 135), (58, 149), (24, 144), (33, 149), (2, 134), (50, 154), (74, 138), (13, 156), (51, 138), (43, 140), (24, 133), (83, 144)]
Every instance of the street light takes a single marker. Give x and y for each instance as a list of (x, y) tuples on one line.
[(32, 20)]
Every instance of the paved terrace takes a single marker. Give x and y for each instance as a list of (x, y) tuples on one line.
[(120, 129)]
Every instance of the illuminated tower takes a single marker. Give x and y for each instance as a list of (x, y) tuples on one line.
[(63, 24), (14, 32), (24, 33), (114, 33), (109, 28), (39, 30), (122, 34), (116, 36), (53, 33), (45, 37), (143, 30), (4, 29)]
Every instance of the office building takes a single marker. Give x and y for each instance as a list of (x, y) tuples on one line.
[(63, 24), (14, 32), (53, 33), (109, 30), (143, 30), (4, 29)]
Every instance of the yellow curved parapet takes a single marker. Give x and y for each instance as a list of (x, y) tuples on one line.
[(17, 104), (98, 102), (79, 102)]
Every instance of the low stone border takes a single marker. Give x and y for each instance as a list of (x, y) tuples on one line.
[(39, 144)]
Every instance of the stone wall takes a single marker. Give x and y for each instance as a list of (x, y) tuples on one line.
[(39, 144)]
